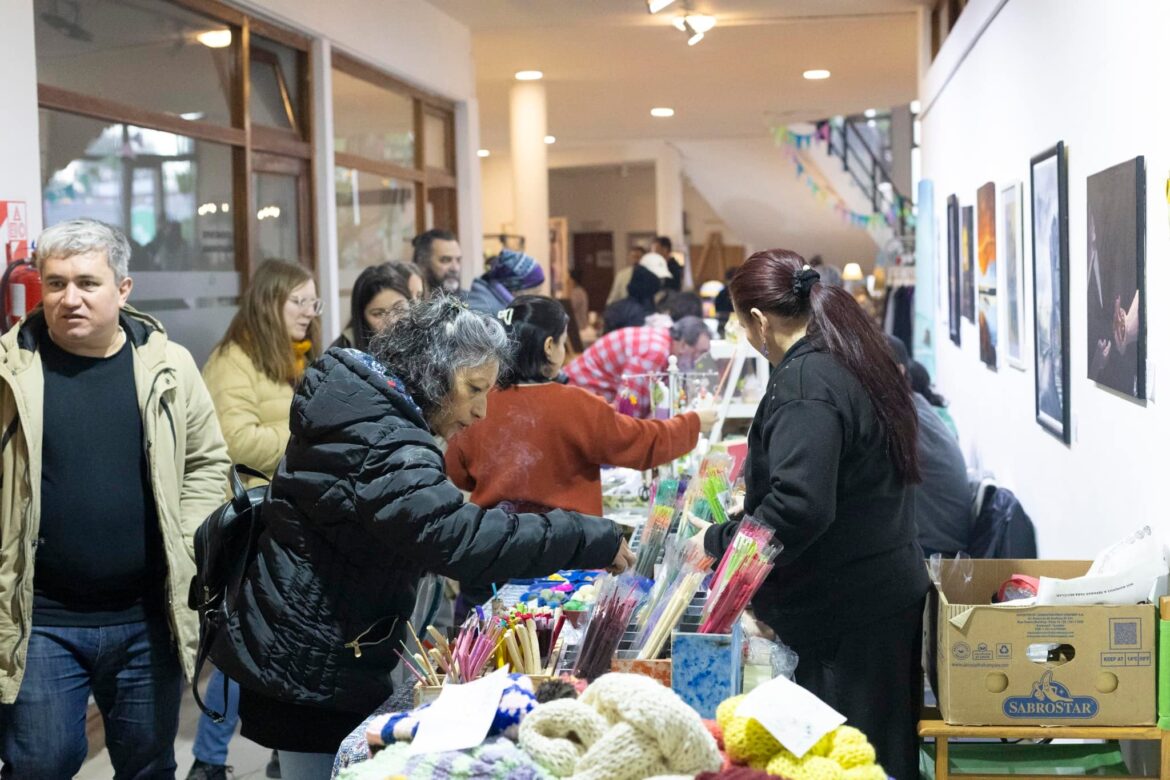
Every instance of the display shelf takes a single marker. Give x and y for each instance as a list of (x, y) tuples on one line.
[(742, 410), (739, 353)]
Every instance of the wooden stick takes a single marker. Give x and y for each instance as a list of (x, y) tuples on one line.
[(426, 661), (513, 651), (534, 664)]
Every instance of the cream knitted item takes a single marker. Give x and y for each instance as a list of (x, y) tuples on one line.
[(648, 731), (557, 734)]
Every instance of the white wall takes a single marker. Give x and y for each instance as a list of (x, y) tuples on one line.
[(20, 174), (617, 199), (498, 202), (703, 220), (1089, 73), (411, 39)]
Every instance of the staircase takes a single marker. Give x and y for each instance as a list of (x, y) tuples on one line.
[(860, 168)]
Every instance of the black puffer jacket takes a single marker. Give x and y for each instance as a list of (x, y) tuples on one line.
[(359, 507)]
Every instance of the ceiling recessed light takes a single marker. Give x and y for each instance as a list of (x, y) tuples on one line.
[(662, 112), (701, 23), (654, 6), (870, 113), (484, 153), (816, 75), (215, 39), (915, 107), (550, 139), (529, 75)]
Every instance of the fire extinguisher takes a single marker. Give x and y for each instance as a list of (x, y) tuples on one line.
[(21, 286)]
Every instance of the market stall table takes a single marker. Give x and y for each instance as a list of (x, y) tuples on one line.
[(942, 732)]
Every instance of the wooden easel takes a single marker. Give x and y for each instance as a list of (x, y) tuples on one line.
[(712, 251)]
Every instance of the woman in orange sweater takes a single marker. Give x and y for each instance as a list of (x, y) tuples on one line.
[(542, 444)]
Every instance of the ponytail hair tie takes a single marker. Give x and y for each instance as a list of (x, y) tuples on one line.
[(803, 281), (505, 316)]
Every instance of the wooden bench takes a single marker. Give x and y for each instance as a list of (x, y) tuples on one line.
[(942, 733)]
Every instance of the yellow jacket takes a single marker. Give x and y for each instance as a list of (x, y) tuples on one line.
[(187, 458), (252, 409)]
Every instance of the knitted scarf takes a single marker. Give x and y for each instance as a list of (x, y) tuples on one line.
[(300, 350)]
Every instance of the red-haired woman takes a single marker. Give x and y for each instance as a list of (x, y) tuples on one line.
[(832, 461)]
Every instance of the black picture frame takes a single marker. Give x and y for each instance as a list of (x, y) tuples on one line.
[(1115, 201), (1050, 283), (954, 272), (967, 260)]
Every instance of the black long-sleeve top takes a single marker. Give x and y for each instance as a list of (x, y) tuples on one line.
[(819, 472)]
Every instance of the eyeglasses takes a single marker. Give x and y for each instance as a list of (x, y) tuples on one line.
[(393, 311), (315, 305)]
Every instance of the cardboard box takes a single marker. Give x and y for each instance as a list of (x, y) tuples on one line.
[(1101, 673)]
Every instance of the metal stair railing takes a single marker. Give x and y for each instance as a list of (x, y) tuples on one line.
[(859, 160)]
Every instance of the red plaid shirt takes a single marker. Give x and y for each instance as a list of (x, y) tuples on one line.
[(625, 351)]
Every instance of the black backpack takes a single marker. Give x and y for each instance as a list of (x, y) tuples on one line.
[(225, 546)]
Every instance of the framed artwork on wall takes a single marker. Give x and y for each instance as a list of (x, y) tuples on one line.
[(1010, 246), (1050, 275), (954, 269), (988, 310), (967, 261), (925, 268), (1115, 309)]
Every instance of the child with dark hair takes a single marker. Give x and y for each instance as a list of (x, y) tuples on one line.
[(543, 443)]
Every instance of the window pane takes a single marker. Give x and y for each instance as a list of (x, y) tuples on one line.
[(435, 148), (371, 121), (441, 211), (277, 217), (375, 218), (172, 195), (276, 78), (146, 54)]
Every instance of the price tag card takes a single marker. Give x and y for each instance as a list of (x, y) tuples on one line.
[(461, 716), (795, 717)]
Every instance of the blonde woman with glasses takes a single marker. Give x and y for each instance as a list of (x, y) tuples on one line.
[(251, 374)]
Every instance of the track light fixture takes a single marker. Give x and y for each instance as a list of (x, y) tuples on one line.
[(654, 6)]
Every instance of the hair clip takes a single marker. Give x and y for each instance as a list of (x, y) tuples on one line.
[(505, 316), (803, 281)]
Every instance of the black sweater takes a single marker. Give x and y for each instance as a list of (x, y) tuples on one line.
[(819, 472)]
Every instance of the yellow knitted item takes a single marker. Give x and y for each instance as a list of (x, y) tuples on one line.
[(747, 740), (851, 755), (819, 768), (726, 710), (784, 764), (871, 772), (824, 745), (847, 735)]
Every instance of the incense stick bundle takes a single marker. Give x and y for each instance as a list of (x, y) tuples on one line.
[(744, 567), (657, 527), (683, 571), (616, 603)]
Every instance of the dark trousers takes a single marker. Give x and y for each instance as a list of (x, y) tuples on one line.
[(134, 674), (873, 676)]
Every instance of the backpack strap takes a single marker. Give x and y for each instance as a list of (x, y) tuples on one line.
[(240, 503), (240, 500)]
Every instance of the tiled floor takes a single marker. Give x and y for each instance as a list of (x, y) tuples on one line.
[(248, 758)]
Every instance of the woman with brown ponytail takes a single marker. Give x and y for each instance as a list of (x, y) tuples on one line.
[(832, 461)]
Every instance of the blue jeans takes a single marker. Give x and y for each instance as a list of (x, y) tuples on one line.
[(305, 766), (134, 675), (211, 738)]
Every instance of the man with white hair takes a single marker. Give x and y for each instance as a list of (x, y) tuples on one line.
[(110, 458)]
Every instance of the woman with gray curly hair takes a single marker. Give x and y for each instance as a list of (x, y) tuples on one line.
[(358, 509)]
